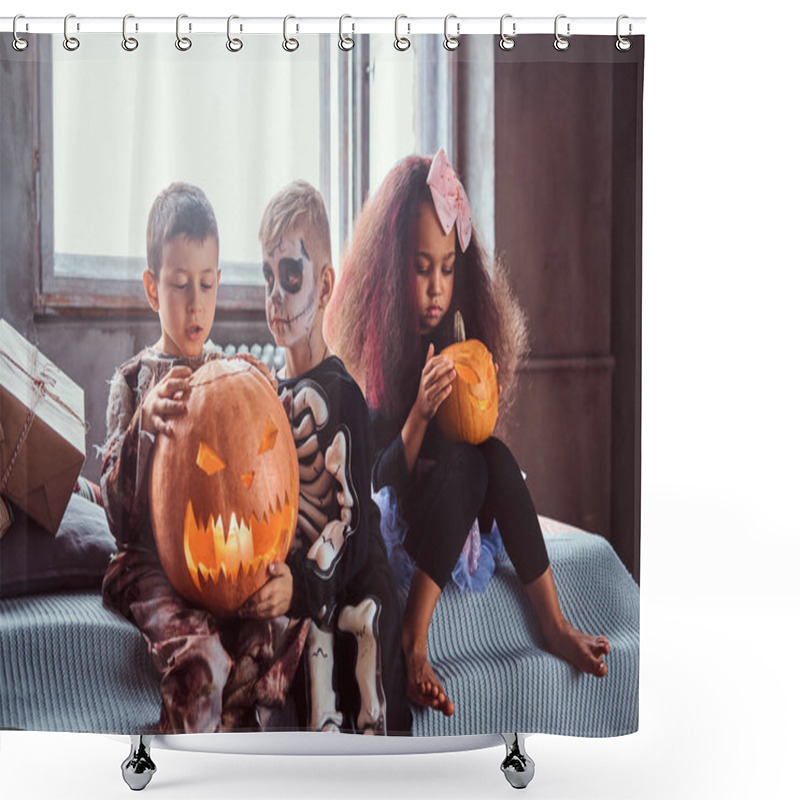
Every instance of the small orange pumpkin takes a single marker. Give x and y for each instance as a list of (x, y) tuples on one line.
[(469, 412), (224, 487)]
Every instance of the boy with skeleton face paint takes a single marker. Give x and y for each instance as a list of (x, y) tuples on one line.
[(291, 292), (355, 672)]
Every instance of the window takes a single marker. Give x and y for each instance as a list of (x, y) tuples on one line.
[(108, 143)]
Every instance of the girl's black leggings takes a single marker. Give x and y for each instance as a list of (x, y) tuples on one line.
[(468, 482)]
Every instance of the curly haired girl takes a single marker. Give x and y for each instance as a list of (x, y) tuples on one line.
[(414, 262)]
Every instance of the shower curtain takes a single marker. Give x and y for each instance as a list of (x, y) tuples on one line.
[(222, 267)]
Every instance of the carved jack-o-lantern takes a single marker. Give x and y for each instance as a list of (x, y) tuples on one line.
[(224, 487), (469, 412)]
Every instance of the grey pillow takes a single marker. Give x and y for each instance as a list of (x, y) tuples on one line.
[(34, 561)]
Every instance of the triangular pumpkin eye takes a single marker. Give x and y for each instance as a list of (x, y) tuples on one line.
[(467, 374), (268, 437), (208, 460)]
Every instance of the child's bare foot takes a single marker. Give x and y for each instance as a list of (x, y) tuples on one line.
[(583, 651), (424, 688)]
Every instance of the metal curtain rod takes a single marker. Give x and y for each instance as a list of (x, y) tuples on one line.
[(459, 26)]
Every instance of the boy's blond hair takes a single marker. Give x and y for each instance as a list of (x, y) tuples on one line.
[(298, 208)]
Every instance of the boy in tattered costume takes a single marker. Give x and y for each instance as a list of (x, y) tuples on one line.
[(355, 672), (216, 675)]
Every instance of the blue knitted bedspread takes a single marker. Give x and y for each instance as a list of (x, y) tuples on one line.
[(68, 664), (488, 650)]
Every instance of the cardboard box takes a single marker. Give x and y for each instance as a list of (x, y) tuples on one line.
[(36, 394)]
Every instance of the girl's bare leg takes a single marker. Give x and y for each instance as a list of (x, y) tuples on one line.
[(583, 651), (424, 688)]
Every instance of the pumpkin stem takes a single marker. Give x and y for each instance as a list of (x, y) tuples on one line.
[(458, 324)]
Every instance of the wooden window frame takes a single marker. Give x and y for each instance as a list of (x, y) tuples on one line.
[(60, 295)]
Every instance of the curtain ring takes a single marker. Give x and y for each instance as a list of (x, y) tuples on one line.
[(451, 42), (19, 43), (345, 42), (401, 43), (183, 43), (71, 43), (560, 42), (623, 44), (129, 43), (290, 44), (233, 44), (507, 42)]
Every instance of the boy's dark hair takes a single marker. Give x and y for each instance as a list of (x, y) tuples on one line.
[(180, 210)]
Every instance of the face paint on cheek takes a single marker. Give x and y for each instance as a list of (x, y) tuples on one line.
[(294, 298), (269, 278), (309, 308), (272, 293)]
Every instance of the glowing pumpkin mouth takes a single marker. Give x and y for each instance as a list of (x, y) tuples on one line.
[(481, 405), (214, 555)]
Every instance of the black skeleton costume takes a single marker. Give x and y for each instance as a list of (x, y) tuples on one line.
[(342, 579)]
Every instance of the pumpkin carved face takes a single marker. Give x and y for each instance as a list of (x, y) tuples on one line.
[(469, 412), (224, 487)]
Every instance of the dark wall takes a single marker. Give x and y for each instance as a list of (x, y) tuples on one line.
[(567, 164), (626, 341), (17, 196), (553, 227)]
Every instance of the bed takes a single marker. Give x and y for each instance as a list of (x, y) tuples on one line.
[(69, 664)]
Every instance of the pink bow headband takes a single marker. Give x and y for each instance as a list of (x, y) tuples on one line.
[(450, 199)]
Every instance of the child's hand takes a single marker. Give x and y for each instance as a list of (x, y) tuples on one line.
[(434, 384), (165, 400), (273, 598)]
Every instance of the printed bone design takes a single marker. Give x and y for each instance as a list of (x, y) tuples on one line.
[(324, 713), (362, 622), (328, 504), (328, 515)]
